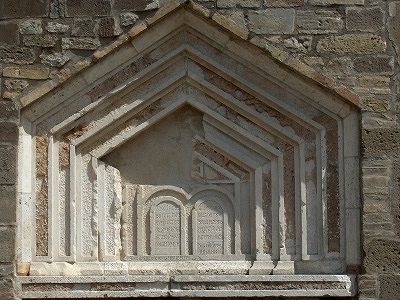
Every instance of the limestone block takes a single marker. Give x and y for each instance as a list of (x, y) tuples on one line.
[(6, 288), (31, 27), (87, 8), (284, 3), (46, 40), (128, 18), (9, 33), (15, 85), (80, 43), (389, 287), (23, 9), (364, 19), (333, 2), (139, 5), (7, 248), (319, 21), (8, 132), (17, 55), (239, 3), (374, 64), (274, 20), (394, 24), (55, 27), (382, 256), (9, 111), (7, 164), (383, 141), (233, 21), (7, 204), (83, 27), (352, 43), (57, 59), (27, 72)]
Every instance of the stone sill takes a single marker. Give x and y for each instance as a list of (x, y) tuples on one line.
[(33, 287)]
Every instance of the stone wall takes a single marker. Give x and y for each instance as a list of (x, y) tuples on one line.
[(354, 42)]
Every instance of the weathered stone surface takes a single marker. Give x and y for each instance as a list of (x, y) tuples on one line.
[(284, 3), (340, 66), (233, 21), (56, 59), (83, 27), (80, 43), (364, 19), (46, 40), (389, 287), (9, 33), (128, 18), (6, 269), (298, 44), (352, 43), (319, 21), (8, 164), (28, 72), (7, 236), (107, 27), (394, 25), (55, 27), (23, 8), (374, 64), (333, 2), (274, 20), (7, 205), (9, 111), (8, 132), (31, 27), (17, 55), (6, 288), (88, 8), (239, 3), (383, 141), (139, 5), (14, 86), (57, 8), (382, 256)]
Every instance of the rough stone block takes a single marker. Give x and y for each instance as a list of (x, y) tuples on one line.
[(7, 204), (8, 132), (8, 166), (33, 26), (9, 111), (55, 27), (233, 21), (394, 24), (239, 3), (137, 5), (80, 43), (88, 8), (364, 19), (319, 21), (382, 256), (334, 2), (6, 269), (16, 54), (389, 287), (7, 245), (56, 59), (352, 43), (274, 20), (46, 40), (27, 72), (128, 18), (382, 141), (107, 27), (9, 33), (284, 3), (83, 27), (23, 8), (298, 44), (374, 64), (6, 288)]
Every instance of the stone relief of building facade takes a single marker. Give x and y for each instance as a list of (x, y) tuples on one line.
[(186, 161), (187, 155)]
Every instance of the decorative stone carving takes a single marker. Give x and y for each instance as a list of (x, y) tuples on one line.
[(186, 151)]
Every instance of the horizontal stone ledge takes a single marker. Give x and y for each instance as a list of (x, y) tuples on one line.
[(33, 287)]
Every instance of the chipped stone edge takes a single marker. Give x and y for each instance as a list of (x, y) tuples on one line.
[(280, 55)]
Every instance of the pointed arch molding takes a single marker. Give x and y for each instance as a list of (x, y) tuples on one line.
[(187, 149)]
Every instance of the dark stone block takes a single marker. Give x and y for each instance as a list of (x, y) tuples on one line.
[(23, 8), (389, 287), (8, 164), (381, 141), (9, 111), (7, 203), (364, 19), (382, 256), (8, 132), (88, 8), (374, 64), (17, 55), (83, 27), (136, 5), (7, 245), (106, 27), (9, 33)]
